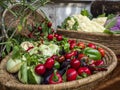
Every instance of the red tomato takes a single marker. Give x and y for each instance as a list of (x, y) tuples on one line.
[(69, 55), (91, 45), (81, 45), (71, 41), (71, 74), (102, 51), (40, 69), (83, 70), (59, 37), (72, 45), (49, 24), (75, 63), (50, 37), (49, 63), (80, 56), (56, 35), (39, 28)]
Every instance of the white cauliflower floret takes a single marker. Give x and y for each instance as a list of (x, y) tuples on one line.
[(100, 20), (26, 45), (49, 50), (87, 25), (70, 23)]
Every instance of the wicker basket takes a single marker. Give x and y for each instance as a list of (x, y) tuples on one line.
[(10, 82)]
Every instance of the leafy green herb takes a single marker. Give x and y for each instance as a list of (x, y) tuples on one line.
[(110, 16), (8, 47), (112, 32), (116, 32), (16, 52), (44, 28), (86, 13), (19, 27), (76, 24), (64, 24), (111, 23), (3, 54), (108, 31)]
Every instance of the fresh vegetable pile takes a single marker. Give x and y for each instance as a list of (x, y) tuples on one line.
[(54, 59), (85, 22)]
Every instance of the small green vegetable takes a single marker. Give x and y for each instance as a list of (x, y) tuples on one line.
[(22, 74), (57, 65), (13, 65), (32, 77)]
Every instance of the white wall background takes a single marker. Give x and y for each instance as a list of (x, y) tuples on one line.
[(58, 12)]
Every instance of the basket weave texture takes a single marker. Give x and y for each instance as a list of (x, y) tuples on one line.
[(10, 21), (10, 82), (111, 41)]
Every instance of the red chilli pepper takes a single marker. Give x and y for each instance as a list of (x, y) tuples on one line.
[(50, 37), (55, 78), (75, 52), (40, 69), (49, 63), (75, 63), (39, 28), (49, 24), (30, 35), (61, 59), (91, 45), (81, 45), (55, 57), (59, 38), (102, 51), (99, 62), (72, 45), (80, 56), (29, 48), (69, 55), (71, 74), (84, 71), (71, 41), (56, 35)]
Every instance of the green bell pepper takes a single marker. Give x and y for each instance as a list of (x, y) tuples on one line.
[(92, 53)]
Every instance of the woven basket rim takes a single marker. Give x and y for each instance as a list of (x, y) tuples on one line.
[(80, 82), (90, 33)]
